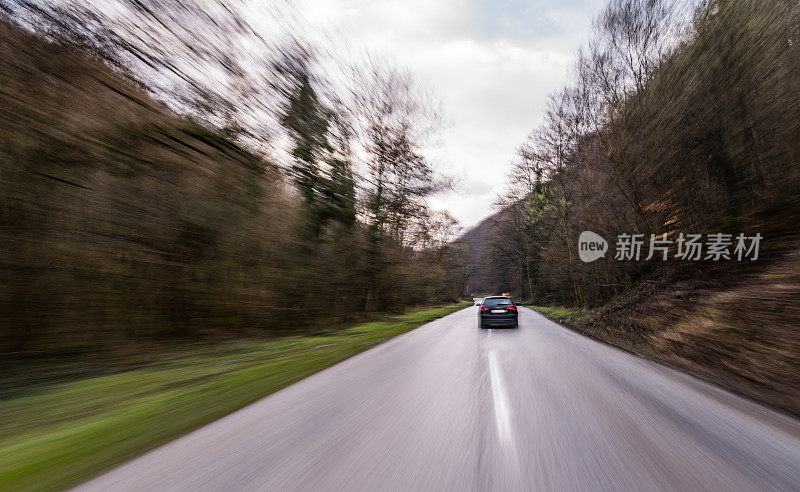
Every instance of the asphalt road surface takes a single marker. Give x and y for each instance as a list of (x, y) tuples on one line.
[(449, 406)]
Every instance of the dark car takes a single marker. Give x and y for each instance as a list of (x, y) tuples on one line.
[(498, 310)]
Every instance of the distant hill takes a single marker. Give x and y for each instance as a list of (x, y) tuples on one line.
[(487, 274)]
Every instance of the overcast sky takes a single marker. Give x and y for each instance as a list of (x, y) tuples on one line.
[(492, 62)]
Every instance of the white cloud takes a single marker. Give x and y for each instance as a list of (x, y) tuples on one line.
[(493, 63)]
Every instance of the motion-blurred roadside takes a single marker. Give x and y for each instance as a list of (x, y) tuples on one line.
[(175, 170)]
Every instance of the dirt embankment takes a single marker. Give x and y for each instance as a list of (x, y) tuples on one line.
[(734, 325)]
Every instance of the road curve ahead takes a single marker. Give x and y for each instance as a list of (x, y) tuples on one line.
[(451, 407)]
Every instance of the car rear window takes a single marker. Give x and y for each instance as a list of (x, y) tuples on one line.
[(495, 301)]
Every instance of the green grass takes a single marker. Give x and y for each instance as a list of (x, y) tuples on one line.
[(64, 433), (568, 316)]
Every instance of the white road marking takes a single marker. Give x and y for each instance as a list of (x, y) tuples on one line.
[(500, 399), (490, 332)]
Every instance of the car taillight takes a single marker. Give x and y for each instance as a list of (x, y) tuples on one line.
[(484, 308), (512, 308)]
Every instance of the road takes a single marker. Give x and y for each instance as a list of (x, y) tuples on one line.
[(451, 407)]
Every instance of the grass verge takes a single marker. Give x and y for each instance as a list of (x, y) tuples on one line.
[(64, 433), (568, 316)]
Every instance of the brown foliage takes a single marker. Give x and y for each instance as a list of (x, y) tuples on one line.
[(123, 221)]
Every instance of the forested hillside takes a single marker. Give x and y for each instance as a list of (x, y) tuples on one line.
[(125, 221), (677, 121)]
